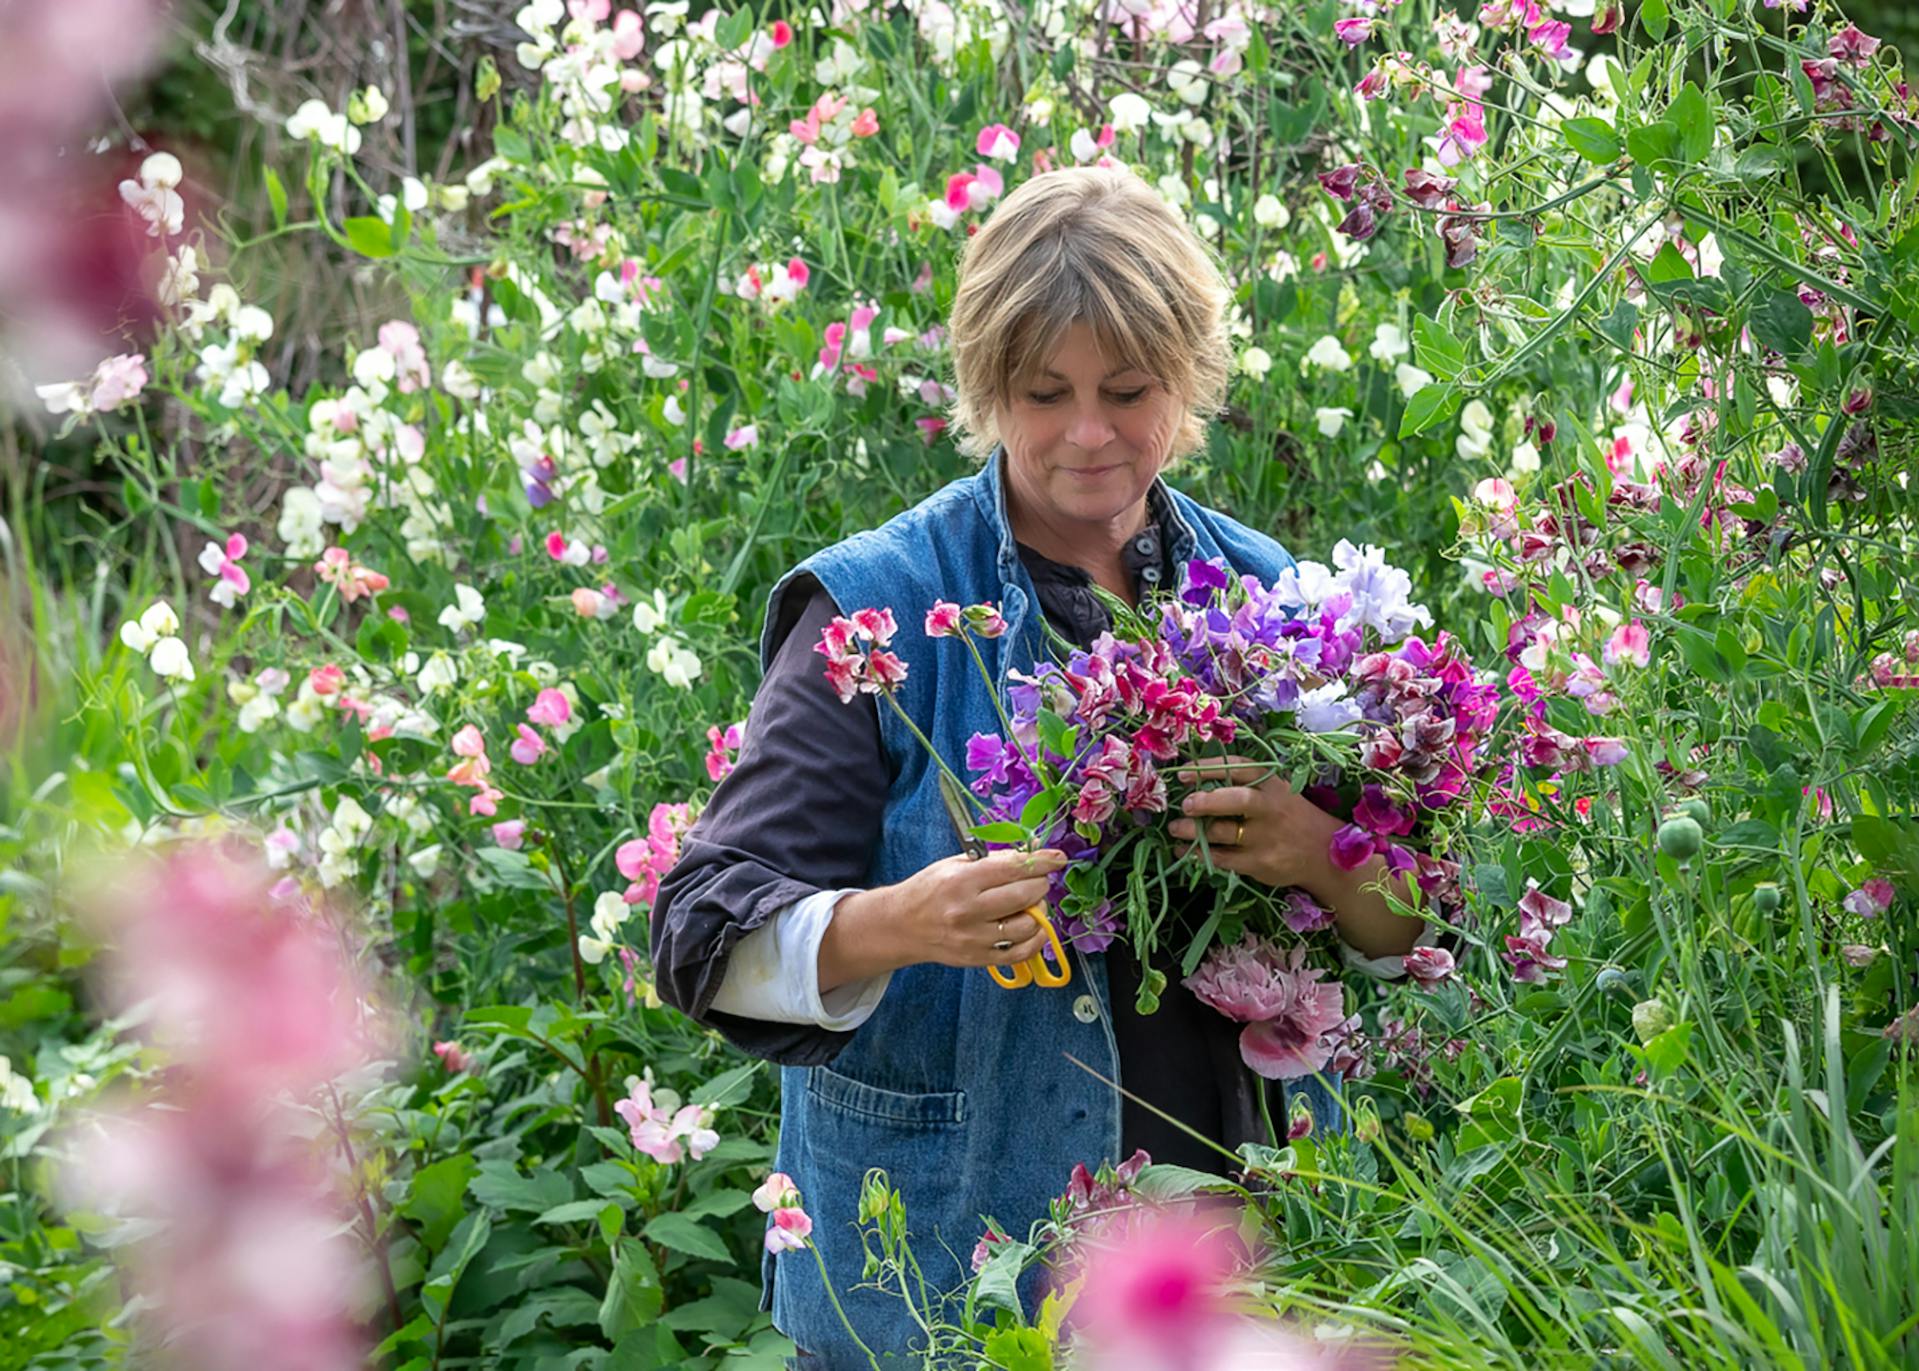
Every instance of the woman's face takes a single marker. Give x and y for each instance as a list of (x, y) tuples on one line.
[(1086, 436)]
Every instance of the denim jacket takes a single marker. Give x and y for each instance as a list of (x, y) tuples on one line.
[(963, 1092)]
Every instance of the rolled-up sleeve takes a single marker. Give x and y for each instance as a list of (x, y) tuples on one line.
[(799, 814)]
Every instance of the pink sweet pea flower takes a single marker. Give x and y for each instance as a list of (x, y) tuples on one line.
[(1429, 965), (876, 626), (452, 1057), (1353, 32), (528, 747), (485, 802), (1631, 644), (999, 143), (1286, 1012), (943, 620), (550, 708), (781, 33), (337, 568), (327, 679), (791, 1228), (469, 742), (510, 834), (744, 436), (865, 124), (629, 35), (223, 563)]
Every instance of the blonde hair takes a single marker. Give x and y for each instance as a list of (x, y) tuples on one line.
[(1091, 245)]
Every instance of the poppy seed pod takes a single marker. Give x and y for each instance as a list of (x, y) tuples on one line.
[(1680, 837)]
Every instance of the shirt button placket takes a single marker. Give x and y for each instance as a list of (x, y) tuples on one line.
[(1086, 1009)]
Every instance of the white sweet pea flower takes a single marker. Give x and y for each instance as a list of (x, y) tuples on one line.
[(169, 660), (1525, 459), (458, 381), (1187, 81), (1389, 343), (466, 612), (1411, 379), (1255, 361), (677, 664), (1129, 112), (159, 621), (1270, 212), (593, 950), (1475, 431), (649, 615), (160, 206), (1331, 420), (1327, 355), (367, 106), (425, 862), (315, 122), (610, 910)]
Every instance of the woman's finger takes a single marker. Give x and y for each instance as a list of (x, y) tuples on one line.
[(1013, 928), (1232, 799), (1223, 857), (1004, 901)]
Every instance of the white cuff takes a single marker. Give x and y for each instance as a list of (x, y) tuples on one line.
[(774, 972), (1388, 968)]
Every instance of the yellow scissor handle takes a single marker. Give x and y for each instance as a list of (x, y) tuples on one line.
[(1035, 967)]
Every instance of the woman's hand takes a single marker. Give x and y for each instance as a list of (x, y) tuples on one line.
[(957, 912), (1256, 824), (1259, 826)]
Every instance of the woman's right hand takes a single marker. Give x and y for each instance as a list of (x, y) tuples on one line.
[(951, 912)]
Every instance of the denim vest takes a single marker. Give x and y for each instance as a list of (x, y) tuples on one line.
[(961, 1090)]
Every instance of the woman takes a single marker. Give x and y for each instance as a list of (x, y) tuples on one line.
[(820, 915)]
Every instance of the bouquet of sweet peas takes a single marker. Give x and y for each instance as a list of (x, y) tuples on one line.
[(1318, 675)]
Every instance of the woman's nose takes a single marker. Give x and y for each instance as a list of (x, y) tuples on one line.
[(1089, 428)]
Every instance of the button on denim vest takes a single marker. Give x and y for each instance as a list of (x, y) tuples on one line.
[(961, 1090)]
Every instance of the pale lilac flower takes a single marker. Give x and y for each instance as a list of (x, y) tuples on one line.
[(1872, 899)]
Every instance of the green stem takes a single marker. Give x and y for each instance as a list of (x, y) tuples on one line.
[(834, 1296)]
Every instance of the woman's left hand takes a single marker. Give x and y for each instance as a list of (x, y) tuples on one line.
[(1256, 823)]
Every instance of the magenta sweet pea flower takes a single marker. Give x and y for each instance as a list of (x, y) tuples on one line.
[(1872, 899), (943, 620), (999, 143), (222, 562), (1353, 32)]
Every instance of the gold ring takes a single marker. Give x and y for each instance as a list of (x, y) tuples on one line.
[(1003, 945), (1240, 832)]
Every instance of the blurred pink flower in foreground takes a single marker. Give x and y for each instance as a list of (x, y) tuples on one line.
[(1160, 1300), (241, 1245)]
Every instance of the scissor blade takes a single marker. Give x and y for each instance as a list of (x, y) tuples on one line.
[(962, 821)]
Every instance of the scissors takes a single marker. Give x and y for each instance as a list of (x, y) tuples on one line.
[(1035, 967)]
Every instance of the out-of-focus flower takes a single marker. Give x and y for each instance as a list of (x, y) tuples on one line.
[(1327, 355), (245, 1258), (453, 1057), (314, 121)]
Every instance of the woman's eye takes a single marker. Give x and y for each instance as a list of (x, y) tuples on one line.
[(1129, 397), (1040, 398)]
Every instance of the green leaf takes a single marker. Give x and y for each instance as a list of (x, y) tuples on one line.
[(1668, 265), (1653, 142), (718, 1204), (512, 869), (1436, 349), (1654, 17), (1000, 833), (1593, 139), (684, 1235), (1691, 115), (1782, 322), (573, 1211), (733, 31), (1019, 1349), (997, 1286), (1492, 1114), (436, 1198), (729, 1087), (633, 1295), (1432, 405), (1164, 1181), (276, 197), (369, 236), (501, 1186)]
